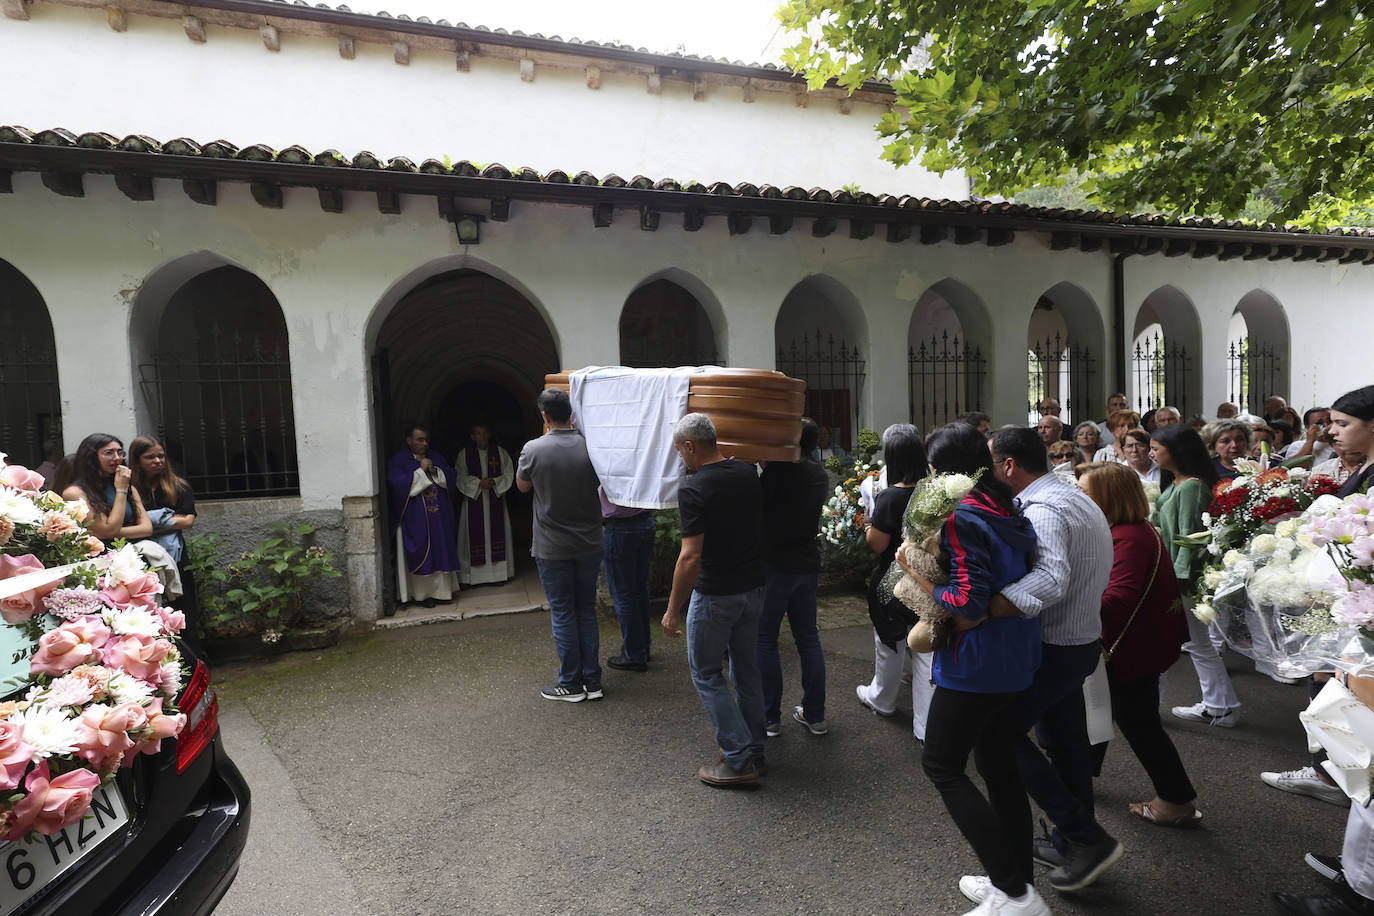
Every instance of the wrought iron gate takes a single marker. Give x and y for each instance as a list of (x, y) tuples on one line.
[(834, 376), (30, 405), (945, 378), (1061, 369), (1160, 370), (227, 419), (1252, 374)]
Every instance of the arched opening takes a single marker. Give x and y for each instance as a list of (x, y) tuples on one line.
[(946, 365), (662, 324), (217, 385), (1162, 350), (1063, 342), (459, 347), (818, 335), (30, 403), (1256, 352)]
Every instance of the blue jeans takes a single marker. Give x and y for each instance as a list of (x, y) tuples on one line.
[(716, 623), (570, 586), (629, 543), (1061, 785), (792, 595)]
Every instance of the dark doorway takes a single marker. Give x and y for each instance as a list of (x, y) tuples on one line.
[(460, 346)]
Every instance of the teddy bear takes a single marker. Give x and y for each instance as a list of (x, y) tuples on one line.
[(934, 626)]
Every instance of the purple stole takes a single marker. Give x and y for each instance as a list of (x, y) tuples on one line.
[(477, 511)]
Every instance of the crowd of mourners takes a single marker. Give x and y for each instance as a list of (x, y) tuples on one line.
[(137, 497), (1065, 555)]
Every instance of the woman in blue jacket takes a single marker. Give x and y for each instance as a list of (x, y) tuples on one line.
[(980, 671)]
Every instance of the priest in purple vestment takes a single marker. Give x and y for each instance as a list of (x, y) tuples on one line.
[(422, 493), (485, 473)]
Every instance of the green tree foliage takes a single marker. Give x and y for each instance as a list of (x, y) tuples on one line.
[(1192, 106)]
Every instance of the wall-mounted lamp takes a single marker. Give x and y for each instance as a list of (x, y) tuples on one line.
[(468, 226)]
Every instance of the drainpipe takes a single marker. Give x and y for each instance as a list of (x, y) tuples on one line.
[(1119, 316)]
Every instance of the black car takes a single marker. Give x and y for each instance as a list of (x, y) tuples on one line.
[(164, 837)]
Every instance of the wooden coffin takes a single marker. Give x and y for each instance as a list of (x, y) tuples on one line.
[(757, 412)]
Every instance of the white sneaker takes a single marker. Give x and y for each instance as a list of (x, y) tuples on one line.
[(1305, 781), (1198, 713), (862, 692), (975, 887), (1271, 672), (997, 903)]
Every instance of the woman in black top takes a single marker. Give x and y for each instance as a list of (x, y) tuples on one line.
[(1352, 428), (161, 488), (905, 457)]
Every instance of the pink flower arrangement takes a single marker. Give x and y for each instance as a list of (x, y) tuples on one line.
[(142, 590), (20, 607), (103, 671), (21, 478), (51, 804)]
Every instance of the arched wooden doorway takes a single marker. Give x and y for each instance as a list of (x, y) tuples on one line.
[(463, 346)]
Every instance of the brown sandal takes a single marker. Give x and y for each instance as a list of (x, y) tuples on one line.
[(1146, 812)]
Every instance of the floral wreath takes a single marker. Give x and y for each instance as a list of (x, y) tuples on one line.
[(102, 668)]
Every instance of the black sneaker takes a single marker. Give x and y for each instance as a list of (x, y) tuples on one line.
[(1044, 851), (1085, 864), (566, 694), (621, 663), (1329, 867), (594, 690)]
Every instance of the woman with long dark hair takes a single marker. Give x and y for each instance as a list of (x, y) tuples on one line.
[(160, 488), (1352, 428), (103, 481), (979, 675), (1178, 513), (1142, 630), (904, 456)]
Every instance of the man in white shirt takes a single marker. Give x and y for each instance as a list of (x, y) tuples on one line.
[(1065, 589)]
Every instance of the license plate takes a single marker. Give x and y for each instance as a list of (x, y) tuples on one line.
[(28, 866)]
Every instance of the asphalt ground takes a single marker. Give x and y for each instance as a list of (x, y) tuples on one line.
[(418, 771)]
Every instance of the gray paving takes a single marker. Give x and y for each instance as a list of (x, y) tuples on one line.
[(417, 771)]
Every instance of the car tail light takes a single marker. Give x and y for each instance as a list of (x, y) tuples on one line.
[(202, 717)]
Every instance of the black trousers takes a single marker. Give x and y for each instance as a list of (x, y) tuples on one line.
[(1135, 707), (997, 826)]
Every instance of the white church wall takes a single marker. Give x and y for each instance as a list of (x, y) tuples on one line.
[(152, 80)]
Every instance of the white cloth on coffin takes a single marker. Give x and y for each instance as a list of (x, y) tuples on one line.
[(627, 417)]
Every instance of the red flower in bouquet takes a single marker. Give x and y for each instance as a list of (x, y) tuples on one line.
[(1273, 507)]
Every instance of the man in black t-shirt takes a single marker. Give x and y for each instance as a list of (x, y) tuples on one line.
[(718, 568), (793, 494)]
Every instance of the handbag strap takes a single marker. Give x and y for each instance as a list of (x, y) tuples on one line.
[(1159, 552)]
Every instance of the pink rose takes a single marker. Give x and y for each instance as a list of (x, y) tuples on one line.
[(21, 478), (173, 621), (53, 804), (160, 726), (6, 530), (19, 608), (142, 589), (74, 643), (140, 656), (14, 754), (104, 732), (94, 546)]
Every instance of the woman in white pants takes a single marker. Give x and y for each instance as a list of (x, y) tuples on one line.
[(1178, 513), (905, 457)]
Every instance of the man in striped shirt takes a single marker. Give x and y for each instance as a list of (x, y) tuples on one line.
[(1064, 589)]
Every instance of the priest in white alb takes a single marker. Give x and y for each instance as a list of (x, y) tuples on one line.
[(485, 473)]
